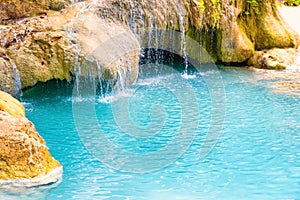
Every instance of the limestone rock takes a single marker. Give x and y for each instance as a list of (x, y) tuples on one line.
[(273, 58), (106, 45), (11, 106), (9, 75), (24, 157), (39, 49), (265, 27), (235, 46), (16, 9), (24, 154)]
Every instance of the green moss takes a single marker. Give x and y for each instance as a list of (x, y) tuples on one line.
[(210, 11), (292, 2)]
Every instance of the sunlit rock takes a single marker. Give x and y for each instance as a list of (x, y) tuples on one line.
[(24, 157), (273, 58), (11, 106)]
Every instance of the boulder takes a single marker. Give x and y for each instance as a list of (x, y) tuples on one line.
[(11, 106), (24, 157), (273, 59), (37, 49)]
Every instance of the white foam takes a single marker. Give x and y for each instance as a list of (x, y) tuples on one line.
[(209, 72), (107, 99), (188, 76), (154, 80), (53, 176)]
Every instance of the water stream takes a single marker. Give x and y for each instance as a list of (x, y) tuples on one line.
[(183, 37)]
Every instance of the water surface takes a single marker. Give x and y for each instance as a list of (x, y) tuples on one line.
[(257, 155)]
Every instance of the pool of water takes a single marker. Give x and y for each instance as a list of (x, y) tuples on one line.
[(256, 155)]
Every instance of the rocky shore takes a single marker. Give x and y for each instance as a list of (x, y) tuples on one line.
[(24, 157)]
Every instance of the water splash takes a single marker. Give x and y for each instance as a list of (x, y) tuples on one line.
[(188, 76)]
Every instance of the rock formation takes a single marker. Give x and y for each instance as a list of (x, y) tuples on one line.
[(97, 37), (24, 158), (15, 9), (273, 58), (11, 106)]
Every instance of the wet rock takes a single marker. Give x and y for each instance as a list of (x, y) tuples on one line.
[(9, 75), (39, 49), (109, 48), (24, 157)]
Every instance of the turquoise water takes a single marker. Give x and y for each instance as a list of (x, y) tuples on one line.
[(257, 155)]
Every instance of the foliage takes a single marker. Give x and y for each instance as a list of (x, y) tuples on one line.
[(253, 5), (292, 2), (211, 11)]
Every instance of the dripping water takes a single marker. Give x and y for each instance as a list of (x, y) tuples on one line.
[(156, 41), (171, 46), (149, 40), (17, 81), (183, 37)]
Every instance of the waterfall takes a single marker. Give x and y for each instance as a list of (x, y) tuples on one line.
[(171, 46), (95, 55), (17, 81), (149, 40), (183, 37)]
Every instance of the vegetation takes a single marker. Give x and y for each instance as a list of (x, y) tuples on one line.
[(292, 2)]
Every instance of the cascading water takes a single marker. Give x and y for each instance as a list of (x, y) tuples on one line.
[(171, 46), (183, 37), (149, 39), (17, 80), (106, 71)]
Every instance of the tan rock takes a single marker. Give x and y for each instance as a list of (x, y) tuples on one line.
[(39, 48), (11, 106), (16, 9), (24, 157), (24, 154), (110, 44), (273, 58), (9, 75), (50, 45), (235, 46)]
